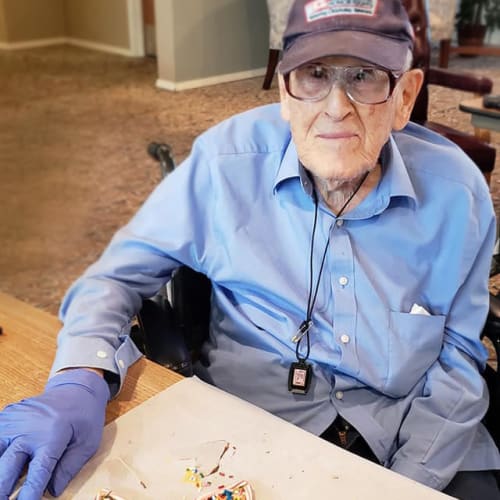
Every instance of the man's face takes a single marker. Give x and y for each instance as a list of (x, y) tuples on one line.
[(339, 140)]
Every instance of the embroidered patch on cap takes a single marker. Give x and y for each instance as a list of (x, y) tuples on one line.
[(320, 9)]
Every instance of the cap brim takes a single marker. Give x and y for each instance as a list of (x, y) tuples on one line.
[(382, 51)]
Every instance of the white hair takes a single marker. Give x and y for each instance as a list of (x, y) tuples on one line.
[(408, 61)]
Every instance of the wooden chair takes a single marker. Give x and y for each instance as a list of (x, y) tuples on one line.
[(278, 16), (481, 153)]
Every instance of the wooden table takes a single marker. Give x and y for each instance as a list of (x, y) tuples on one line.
[(445, 49), (27, 348), (483, 119)]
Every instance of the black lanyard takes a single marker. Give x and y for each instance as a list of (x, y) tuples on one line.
[(299, 378)]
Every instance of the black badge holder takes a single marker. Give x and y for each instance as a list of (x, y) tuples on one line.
[(299, 377)]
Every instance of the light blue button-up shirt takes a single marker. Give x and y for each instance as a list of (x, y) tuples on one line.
[(240, 209)]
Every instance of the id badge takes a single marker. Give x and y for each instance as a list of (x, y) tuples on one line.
[(299, 377)]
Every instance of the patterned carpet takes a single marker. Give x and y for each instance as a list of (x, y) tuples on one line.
[(74, 126)]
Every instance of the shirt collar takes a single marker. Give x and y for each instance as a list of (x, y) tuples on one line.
[(291, 168), (395, 181)]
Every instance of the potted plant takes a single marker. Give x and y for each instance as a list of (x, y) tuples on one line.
[(475, 18)]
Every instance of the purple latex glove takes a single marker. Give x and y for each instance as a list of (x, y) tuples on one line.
[(56, 432)]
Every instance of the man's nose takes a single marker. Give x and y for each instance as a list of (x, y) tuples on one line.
[(337, 102)]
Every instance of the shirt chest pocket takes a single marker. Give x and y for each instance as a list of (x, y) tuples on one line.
[(414, 344)]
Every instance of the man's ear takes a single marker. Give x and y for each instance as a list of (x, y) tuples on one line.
[(406, 95), (284, 98)]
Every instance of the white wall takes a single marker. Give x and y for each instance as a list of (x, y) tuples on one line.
[(202, 42), (494, 38)]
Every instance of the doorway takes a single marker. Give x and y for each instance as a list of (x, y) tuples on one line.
[(148, 18)]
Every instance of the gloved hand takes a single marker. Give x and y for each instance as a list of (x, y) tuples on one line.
[(57, 432)]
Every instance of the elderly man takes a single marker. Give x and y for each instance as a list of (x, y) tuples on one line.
[(349, 255)]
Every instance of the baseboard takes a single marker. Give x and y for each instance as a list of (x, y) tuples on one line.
[(165, 84), (102, 47), (44, 42), (33, 44), (212, 80)]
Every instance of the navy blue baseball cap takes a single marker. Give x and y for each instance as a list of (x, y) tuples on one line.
[(376, 31)]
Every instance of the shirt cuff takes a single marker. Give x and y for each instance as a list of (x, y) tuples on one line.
[(419, 473), (91, 352)]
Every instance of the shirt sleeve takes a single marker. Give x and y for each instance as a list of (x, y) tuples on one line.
[(439, 429), (169, 230)]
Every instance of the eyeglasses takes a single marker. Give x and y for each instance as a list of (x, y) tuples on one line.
[(362, 84)]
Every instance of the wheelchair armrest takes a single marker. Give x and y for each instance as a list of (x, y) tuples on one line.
[(191, 303), (158, 337)]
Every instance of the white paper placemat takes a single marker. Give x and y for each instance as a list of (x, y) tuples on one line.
[(145, 453)]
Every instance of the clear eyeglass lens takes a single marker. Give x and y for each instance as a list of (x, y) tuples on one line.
[(367, 85)]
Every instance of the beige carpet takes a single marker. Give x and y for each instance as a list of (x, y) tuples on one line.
[(74, 126)]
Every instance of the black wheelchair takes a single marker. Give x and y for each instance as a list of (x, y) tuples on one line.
[(172, 325)]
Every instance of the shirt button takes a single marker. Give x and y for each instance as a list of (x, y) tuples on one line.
[(344, 339), (121, 363), (343, 280), (101, 354), (339, 394), (340, 223)]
